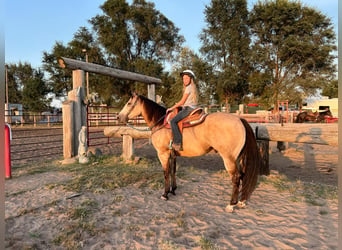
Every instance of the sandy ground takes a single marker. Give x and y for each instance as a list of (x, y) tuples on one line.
[(136, 218)]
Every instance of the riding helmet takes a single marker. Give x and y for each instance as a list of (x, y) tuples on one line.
[(188, 72)]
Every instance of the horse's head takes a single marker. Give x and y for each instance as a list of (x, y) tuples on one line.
[(131, 109)]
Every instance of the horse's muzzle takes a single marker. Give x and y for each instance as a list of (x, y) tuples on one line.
[(123, 118)]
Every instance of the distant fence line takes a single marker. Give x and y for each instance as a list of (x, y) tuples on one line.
[(32, 119), (35, 144)]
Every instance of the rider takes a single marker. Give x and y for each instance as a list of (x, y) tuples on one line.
[(188, 103)]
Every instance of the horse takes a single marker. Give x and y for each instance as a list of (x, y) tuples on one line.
[(313, 117), (229, 135)]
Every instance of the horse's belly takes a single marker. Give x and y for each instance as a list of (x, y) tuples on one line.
[(225, 132)]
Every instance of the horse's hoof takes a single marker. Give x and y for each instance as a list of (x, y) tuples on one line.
[(230, 208), (173, 191), (164, 197), (242, 204)]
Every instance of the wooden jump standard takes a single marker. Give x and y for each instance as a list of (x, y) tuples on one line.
[(324, 134)]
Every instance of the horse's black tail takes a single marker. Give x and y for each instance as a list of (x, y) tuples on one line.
[(250, 162)]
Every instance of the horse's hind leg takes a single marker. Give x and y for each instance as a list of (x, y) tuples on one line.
[(235, 176), (235, 192), (236, 185), (173, 173)]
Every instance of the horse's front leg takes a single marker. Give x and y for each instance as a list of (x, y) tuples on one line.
[(173, 172), (164, 160)]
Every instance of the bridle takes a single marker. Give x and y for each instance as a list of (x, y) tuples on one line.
[(149, 128)]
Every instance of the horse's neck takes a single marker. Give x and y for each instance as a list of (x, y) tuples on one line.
[(152, 112)]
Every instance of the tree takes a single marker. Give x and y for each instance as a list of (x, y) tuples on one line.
[(27, 86), (60, 80), (134, 37), (137, 38), (226, 44), (35, 92), (331, 90), (292, 50), (14, 84)]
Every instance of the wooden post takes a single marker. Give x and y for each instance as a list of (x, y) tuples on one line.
[(77, 78), (151, 90), (68, 129), (241, 108), (263, 146), (80, 117), (127, 147)]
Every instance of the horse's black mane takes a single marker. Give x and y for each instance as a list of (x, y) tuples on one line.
[(153, 110)]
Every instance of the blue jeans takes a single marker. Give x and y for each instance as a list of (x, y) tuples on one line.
[(177, 136)]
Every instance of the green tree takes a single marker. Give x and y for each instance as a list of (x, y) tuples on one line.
[(226, 44), (14, 84), (60, 80), (27, 86), (292, 50), (331, 90), (134, 37), (35, 93), (137, 38)]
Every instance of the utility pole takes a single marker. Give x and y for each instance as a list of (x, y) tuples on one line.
[(87, 73)]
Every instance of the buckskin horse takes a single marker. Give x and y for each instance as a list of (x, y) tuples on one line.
[(313, 117), (230, 136)]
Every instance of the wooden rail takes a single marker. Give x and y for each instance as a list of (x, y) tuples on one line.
[(324, 134), (313, 133), (104, 70)]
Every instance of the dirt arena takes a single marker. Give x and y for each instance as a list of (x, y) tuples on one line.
[(293, 208)]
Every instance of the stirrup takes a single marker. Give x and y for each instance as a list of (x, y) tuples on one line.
[(178, 148), (170, 145)]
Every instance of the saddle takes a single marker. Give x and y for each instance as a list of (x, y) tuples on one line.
[(197, 116)]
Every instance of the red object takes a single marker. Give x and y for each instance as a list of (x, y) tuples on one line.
[(8, 172)]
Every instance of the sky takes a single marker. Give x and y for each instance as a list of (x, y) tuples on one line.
[(32, 27)]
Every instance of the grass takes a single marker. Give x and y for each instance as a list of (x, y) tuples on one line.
[(206, 244), (80, 226), (109, 173), (312, 193)]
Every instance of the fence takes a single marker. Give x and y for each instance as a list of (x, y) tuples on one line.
[(35, 144), (34, 119), (99, 117)]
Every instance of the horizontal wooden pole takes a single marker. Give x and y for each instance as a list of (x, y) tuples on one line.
[(118, 131), (319, 133), (104, 70), (325, 134)]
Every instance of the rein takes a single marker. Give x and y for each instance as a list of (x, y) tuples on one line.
[(149, 128)]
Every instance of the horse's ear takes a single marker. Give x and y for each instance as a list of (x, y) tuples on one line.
[(133, 93)]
